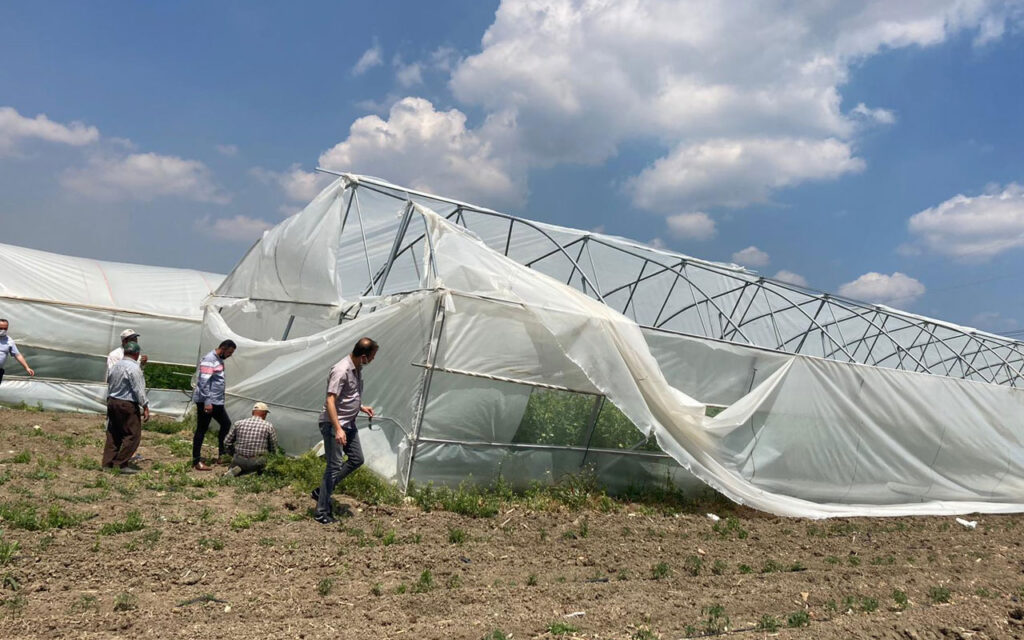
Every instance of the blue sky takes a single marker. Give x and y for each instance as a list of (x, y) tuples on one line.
[(867, 148)]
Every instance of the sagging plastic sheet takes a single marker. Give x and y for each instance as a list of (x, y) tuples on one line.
[(67, 313), (814, 438)]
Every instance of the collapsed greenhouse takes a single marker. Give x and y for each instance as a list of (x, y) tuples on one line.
[(67, 312), (527, 351)]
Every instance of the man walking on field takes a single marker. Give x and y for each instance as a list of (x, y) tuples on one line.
[(209, 399), (338, 423), (126, 403)]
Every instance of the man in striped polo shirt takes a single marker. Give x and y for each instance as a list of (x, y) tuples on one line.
[(209, 399)]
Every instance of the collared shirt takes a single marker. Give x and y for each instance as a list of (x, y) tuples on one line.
[(210, 385), (7, 348), (126, 382), (346, 383), (252, 437)]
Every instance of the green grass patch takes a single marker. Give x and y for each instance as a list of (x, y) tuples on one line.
[(7, 550), (22, 515), (125, 602), (939, 595), (660, 571), (425, 582), (132, 522), (324, 587), (560, 628), (23, 457), (798, 619), (245, 520)]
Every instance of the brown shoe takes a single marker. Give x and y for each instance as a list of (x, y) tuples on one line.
[(201, 467)]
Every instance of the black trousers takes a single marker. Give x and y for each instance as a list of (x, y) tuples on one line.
[(1, 376), (203, 424)]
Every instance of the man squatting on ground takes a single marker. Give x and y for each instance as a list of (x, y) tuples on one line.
[(126, 401), (8, 348), (128, 335), (209, 399), (249, 440), (338, 423)]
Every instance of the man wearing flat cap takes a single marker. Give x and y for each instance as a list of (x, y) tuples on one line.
[(126, 404), (128, 335), (250, 440)]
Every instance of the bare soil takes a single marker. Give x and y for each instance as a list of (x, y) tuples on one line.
[(211, 561)]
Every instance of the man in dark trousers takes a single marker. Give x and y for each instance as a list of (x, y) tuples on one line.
[(126, 403), (209, 399), (338, 423)]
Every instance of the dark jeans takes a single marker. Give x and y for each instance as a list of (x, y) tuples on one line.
[(336, 470), (203, 423), (124, 431), (249, 465), (1, 376)]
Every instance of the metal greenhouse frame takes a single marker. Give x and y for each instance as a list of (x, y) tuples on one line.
[(671, 292)]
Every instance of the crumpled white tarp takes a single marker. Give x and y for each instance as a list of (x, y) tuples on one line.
[(802, 436), (817, 438), (68, 313)]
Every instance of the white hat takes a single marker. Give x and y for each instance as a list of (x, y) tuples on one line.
[(261, 406), (128, 333)]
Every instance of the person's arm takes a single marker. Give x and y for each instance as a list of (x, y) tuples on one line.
[(21, 359), (272, 440), (138, 382), (203, 384), (229, 440), (332, 415)]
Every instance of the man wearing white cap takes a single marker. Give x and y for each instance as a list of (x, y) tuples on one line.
[(249, 440), (128, 335)]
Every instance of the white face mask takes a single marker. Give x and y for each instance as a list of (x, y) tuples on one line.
[(3, 333)]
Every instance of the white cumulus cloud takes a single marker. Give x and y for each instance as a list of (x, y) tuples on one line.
[(15, 127), (736, 173), (751, 257), (430, 150), (298, 185), (694, 226), (144, 177), (409, 75), (899, 288), (791, 278), (241, 229), (739, 117), (371, 58), (973, 227)]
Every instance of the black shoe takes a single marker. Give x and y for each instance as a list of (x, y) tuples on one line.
[(324, 518), (315, 494)]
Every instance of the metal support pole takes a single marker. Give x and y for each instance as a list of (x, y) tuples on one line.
[(428, 374)]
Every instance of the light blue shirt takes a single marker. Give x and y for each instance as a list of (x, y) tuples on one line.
[(126, 382), (7, 348)]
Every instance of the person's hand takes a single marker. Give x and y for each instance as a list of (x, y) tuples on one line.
[(145, 414), (208, 408), (340, 437), (30, 371), (367, 410), (143, 360)]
